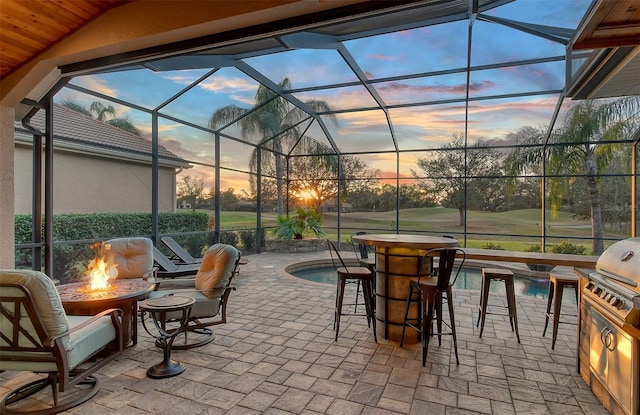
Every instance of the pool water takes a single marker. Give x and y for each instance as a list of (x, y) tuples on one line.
[(469, 279)]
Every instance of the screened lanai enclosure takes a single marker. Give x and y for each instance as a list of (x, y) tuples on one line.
[(476, 119)]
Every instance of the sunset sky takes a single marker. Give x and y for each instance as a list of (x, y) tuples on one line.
[(387, 57)]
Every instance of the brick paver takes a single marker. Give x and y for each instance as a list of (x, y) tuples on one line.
[(276, 355)]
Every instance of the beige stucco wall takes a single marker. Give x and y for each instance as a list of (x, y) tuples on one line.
[(86, 184)]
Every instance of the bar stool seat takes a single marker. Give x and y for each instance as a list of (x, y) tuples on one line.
[(557, 284), (498, 274), (368, 263)]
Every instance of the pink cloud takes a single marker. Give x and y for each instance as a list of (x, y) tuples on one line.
[(447, 89), (525, 70), (381, 57)]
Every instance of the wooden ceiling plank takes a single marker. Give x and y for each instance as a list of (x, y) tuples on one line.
[(621, 12), (595, 18), (32, 34), (24, 19), (12, 53), (618, 29), (6, 62), (87, 10), (46, 20), (80, 8), (612, 24), (26, 37), (75, 16), (608, 42), (29, 27)]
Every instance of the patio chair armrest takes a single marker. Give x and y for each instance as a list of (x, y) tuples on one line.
[(151, 275), (226, 293), (158, 282), (223, 290), (113, 312)]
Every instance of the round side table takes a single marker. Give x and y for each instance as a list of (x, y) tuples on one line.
[(158, 308)]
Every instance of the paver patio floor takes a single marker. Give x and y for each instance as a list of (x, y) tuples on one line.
[(277, 355)]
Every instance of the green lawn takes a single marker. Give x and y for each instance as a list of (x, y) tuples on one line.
[(444, 221)]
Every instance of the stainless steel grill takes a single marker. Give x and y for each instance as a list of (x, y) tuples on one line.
[(611, 299), (615, 284)]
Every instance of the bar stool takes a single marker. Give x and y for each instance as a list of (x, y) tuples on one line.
[(557, 284), (362, 275), (498, 274), (432, 289)]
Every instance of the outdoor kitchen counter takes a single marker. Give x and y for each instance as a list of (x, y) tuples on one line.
[(569, 260)]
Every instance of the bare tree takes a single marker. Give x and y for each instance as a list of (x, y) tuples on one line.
[(191, 190), (446, 176)]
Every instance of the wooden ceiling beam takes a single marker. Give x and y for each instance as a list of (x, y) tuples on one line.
[(610, 24), (27, 28)]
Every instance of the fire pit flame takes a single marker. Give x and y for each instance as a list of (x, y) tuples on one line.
[(101, 270)]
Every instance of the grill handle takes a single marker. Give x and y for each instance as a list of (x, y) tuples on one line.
[(607, 338), (618, 278)]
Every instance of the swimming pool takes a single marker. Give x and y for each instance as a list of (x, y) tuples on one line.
[(469, 279)]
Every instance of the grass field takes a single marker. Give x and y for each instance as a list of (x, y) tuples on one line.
[(445, 221)]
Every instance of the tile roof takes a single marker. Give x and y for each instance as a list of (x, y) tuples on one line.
[(82, 129)]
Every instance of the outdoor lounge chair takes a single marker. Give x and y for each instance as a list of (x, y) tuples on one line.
[(211, 288), (37, 336), (168, 269), (179, 253)]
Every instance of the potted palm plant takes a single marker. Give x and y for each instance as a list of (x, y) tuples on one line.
[(291, 232)]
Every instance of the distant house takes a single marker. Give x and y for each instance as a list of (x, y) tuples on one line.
[(332, 206), (97, 167)]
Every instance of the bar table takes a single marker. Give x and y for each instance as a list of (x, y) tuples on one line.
[(397, 259)]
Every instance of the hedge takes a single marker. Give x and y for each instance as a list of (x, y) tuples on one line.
[(69, 260)]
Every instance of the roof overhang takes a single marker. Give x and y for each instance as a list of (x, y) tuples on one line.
[(612, 30), (607, 73)]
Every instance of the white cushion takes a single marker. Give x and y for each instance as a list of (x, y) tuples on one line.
[(203, 307), (45, 296), (133, 256), (216, 269), (86, 341)]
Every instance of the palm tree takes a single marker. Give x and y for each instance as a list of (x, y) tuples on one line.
[(77, 107), (124, 123), (101, 112), (580, 147), (273, 120)]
